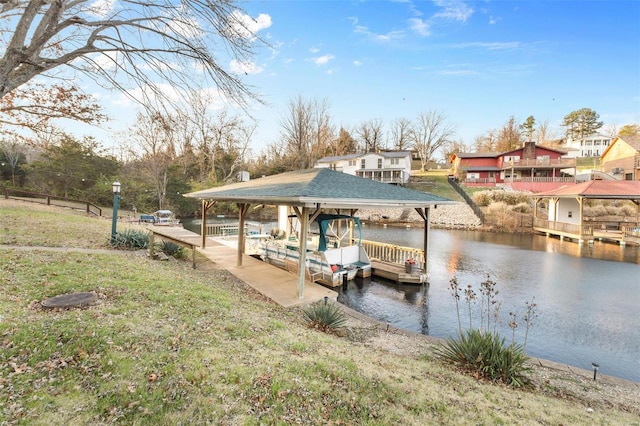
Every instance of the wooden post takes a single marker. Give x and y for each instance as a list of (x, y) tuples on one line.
[(243, 209), (302, 247), (151, 243)]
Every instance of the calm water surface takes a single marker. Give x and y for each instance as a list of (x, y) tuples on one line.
[(588, 297)]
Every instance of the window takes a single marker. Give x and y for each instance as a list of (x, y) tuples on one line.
[(395, 161), (363, 164), (379, 163), (352, 163)]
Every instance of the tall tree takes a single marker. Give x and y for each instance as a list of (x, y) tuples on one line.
[(545, 133), (14, 154), (152, 45), (370, 133), (629, 130), (431, 131), (306, 132), (401, 134), (344, 144), (527, 128), (581, 123), (72, 168), (509, 136)]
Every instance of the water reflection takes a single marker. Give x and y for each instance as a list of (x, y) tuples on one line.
[(588, 296)]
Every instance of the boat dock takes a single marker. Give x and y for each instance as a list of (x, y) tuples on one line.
[(276, 284), (393, 272)]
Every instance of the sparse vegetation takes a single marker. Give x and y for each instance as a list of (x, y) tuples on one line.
[(130, 239), (325, 316), (481, 351)]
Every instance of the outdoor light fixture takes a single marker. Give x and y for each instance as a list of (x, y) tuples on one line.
[(595, 369), (326, 299), (116, 200)]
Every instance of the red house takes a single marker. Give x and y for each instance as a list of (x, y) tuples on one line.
[(532, 167)]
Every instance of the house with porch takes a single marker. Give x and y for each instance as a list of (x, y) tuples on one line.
[(591, 146), (384, 166), (531, 167), (622, 158)]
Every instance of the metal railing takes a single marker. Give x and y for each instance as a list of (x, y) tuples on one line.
[(476, 209)]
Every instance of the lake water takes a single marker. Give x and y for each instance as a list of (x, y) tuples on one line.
[(587, 296)]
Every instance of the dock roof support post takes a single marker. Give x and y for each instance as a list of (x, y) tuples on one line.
[(425, 214), (242, 209), (304, 229), (206, 205)]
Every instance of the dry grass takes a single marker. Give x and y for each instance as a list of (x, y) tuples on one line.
[(167, 344)]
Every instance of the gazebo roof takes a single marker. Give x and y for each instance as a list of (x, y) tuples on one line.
[(599, 189), (324, 188)]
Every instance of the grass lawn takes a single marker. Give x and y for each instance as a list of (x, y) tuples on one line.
[(168, 345)]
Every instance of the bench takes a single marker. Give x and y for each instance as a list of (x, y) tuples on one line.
[(187, 244)]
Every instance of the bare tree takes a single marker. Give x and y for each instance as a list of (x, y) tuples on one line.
[(486, 142), (153, 135), (307, 132), (546, 133), (401, 130), (153, 45), (431, 131), (14, 152), (370, 134)]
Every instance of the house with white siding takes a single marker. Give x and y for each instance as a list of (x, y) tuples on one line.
[(385, 166)]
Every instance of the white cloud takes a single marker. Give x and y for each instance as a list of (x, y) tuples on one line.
[(247, 67), (419, 26), (357, 63), (314, 50), (493, 20), (323, 60), (455, 10), (489, 46), (247, 27), (390, 36)]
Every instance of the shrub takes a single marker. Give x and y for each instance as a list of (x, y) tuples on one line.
[(521, 208), (130, 239), (627, 210), (324, 316), (172, 249), (482, 198), (485, 355)]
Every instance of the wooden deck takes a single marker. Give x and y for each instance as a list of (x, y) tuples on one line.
[(274, 283), (397, 273)]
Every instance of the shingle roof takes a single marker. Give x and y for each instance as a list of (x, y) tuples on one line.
[(324, 187), (633, 141), (615, 189)]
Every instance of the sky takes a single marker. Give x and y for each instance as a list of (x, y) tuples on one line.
[(478, 63)]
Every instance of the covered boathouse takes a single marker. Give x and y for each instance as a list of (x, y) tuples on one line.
[(566, 218), (311, 192)]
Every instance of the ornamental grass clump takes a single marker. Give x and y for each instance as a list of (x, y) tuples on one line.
[(481, 351), (130, 239), (327, 317)]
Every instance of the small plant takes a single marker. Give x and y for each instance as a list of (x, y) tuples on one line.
[(486, 355), (130, 239), (481, 351), (327, 317), (172, 249)]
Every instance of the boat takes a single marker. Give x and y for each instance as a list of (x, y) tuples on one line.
[(333, 255), (165, 218)]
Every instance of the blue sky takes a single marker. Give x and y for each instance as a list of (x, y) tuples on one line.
[(477, 62)]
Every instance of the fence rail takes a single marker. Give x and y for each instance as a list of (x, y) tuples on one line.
[(392, 253), (52, 200)]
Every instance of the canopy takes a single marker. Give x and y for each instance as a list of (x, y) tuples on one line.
[(323, 223)]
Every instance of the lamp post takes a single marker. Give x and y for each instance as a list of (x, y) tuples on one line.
[(116, 201)]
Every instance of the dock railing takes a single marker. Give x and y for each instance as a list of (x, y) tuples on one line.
[(392, 253)]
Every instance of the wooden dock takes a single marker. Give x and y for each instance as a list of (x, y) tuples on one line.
[(394, 272)]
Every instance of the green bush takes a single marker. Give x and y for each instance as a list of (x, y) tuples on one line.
[(130, 239), (324, 316), (172, 249), (485, 355)]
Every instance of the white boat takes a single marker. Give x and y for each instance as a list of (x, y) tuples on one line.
[(333, 256), (165, 218)]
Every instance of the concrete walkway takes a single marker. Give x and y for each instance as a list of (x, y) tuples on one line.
[(277, 284)]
